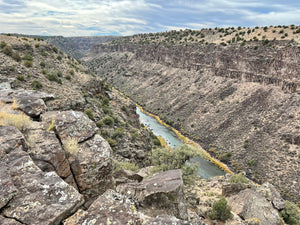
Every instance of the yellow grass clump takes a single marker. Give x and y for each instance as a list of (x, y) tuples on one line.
[(10, 117), (71, 146), (51, 125), (15, 104)]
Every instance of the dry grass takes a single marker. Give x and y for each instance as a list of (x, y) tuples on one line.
[(9, 117), (71, 146), (51, 125), (15, 104)]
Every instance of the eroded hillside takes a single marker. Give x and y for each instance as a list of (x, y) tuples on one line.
[(238, 98)]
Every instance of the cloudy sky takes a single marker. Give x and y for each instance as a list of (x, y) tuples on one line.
[(126, 17)]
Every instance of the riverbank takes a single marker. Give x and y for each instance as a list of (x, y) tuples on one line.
[(188, 141)]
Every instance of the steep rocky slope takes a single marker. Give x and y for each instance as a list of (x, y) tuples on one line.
[(76, 47), (238, 98)]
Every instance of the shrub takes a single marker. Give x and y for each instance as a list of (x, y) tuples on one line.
[(166, 159), (291, 214), (59, 58), (112, 142), (36, 84), (68, 77), (221, 211), (105, 101), (42, 64), (108, 120), (99, 124), (118, 133), (89, 113), (20, 77), (239, 178), (44, 71), (124, 108), (55, 49), (16, 56), (2, 44), (27, 57), (28, 63), (7, 50), (53, 76), (126, 166), (72, 72), (246, 144), (37, 45)]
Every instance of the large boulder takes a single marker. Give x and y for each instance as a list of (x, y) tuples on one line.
[(251, 204), (92, 167), (270, 193), (72, 124), (47, 153), (109, 208), (159, 194), (41, 198), (29, 101)]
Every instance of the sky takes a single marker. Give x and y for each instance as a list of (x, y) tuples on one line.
[(128, 17)]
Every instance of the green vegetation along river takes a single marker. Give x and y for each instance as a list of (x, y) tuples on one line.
[(206, 168)]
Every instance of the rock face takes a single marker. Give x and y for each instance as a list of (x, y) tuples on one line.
[(30, 102), (109, 208), (271, 194), (92, 167), (47, 153), (249, 204), (221, 97), (36, 190), (159, 194), (71, 124)]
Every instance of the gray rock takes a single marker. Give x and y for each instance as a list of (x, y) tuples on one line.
[(248, 204), (71, 124), (166, 220), (159, 194), (92, 167), (8, 221), (36, 190), (47, 153), (229, 189), (7, 188), (30, 102), (109, 208), (270, 193)]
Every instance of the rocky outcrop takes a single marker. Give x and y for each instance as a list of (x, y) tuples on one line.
[(92, 167), (71, 124), (47, 153), (109, 208), (250, 204), (30, 102), (36, 190), (271, 194), (159, 194)]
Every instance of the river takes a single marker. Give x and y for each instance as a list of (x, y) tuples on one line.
[(206, 168)]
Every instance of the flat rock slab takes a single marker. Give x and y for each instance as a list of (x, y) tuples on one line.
[(72, 124), (29, 101), (249, 203), (109, 208), (41, 198)]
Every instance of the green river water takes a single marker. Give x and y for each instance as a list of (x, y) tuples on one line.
[(206, 168)]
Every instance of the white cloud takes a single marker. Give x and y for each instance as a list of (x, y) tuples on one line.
[(125, 17)]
